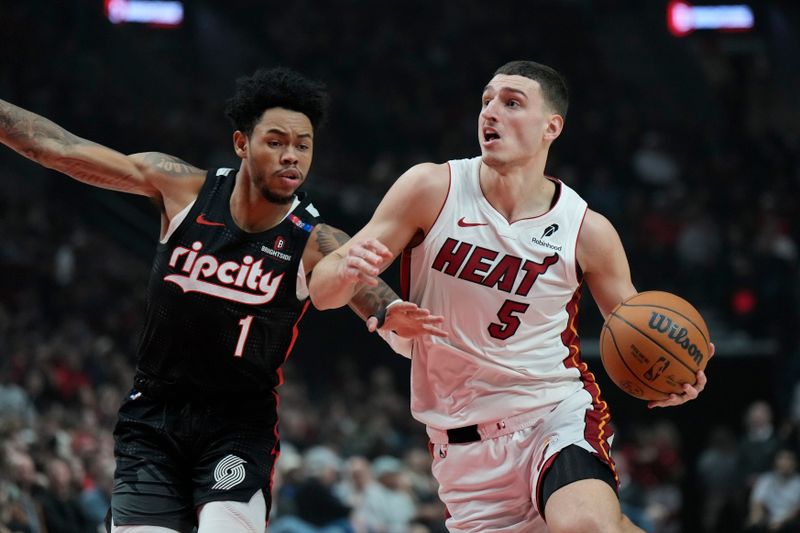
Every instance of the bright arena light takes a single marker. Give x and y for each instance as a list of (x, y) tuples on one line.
[(156, 12), (684, 18)]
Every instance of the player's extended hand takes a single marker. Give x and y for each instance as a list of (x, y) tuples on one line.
[(364, 261), (409, 320), (690, 392)]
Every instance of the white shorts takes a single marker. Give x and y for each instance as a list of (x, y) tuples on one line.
[(493, 484)]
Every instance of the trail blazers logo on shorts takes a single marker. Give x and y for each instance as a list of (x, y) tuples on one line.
[(229, 472)]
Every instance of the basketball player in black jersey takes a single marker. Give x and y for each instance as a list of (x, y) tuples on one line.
[(197, 437)]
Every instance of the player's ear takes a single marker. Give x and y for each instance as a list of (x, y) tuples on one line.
[(553, 127), (240, 144)]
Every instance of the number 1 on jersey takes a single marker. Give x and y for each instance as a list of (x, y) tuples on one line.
[(245, 323)]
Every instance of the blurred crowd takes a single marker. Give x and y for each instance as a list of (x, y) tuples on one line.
[(689, 147)]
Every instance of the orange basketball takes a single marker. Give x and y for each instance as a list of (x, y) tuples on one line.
[(653, 343)]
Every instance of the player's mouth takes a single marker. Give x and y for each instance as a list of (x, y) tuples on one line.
[(489, 136), (290, 176)]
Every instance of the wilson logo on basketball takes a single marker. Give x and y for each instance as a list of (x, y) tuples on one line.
[(229, 280), (677, 333)]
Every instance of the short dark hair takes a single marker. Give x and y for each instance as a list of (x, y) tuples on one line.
[(275, 87), (553, 84)]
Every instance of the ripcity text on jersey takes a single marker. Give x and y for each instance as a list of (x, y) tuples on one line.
[(222, 303), (509, 293)]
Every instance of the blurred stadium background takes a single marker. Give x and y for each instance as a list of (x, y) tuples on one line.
[(689, 144)]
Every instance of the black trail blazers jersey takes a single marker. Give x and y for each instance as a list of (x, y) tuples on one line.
[(222, 307)]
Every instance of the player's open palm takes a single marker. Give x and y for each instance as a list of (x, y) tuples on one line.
[(409, 320), (364, 262)]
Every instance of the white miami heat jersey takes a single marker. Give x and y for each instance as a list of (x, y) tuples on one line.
[(509, 294)]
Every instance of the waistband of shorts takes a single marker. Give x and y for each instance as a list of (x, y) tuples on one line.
[(485, 431), (162, 390)]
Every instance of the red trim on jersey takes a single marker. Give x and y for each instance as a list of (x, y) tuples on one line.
[(578, 269), (405, 260), (405, 274), (554, 202), (295, 332), (597, 431), (275, 450), (446, 196)]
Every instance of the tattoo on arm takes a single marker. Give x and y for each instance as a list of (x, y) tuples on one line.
[(50, 145), (330, 239), (30, 134), (367, 301), (370, 301), (169, 165)]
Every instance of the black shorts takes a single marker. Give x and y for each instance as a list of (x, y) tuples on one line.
[(573, 463), (175, 455)]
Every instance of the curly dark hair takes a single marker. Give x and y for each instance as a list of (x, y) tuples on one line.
[(275, 87), (553, 84)]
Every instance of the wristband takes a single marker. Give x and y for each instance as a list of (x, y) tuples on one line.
[(381, 315)]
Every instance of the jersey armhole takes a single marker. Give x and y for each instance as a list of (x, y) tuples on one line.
[(420, 236), (176, 221), (578, 269), (179, 221)]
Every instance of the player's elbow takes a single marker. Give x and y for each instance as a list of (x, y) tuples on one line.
[(321, 298)]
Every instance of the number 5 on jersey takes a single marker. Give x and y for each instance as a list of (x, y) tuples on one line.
[(245, 325), (509, 322)]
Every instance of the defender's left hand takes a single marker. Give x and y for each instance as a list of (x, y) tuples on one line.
[(409, 320), (690, 392)]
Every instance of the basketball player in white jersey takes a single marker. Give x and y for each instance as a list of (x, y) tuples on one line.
[(519, 430)]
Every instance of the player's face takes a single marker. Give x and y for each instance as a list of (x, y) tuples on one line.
[(514, 120), (279, 153)]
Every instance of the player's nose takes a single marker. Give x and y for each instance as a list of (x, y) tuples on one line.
[(289, 156), (488, 112)]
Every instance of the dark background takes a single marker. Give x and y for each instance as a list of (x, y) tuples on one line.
[(688, 145)]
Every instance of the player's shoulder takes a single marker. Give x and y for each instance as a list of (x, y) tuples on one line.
[(597, 235), (595, 224), (426, 177)]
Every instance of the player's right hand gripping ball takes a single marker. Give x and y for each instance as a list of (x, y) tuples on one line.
[(653, 343)]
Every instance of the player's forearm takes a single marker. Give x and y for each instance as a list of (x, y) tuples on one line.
[(50, 145), (326, 289), (372, 301), (31, 135)]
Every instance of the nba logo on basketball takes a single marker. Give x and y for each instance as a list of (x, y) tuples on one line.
[(657, 369), (280, 242)]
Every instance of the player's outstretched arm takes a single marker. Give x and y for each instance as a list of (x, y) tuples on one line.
[(409, 209), (50, 145), (372, 302)]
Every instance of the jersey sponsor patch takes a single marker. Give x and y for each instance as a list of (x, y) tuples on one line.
[(300, 224), (229, 472)]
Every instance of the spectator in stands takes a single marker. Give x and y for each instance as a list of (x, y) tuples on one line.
[(60, 505), (760, 443), (775, 500)]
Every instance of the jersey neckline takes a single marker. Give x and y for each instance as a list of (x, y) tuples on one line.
[(554, 203)]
